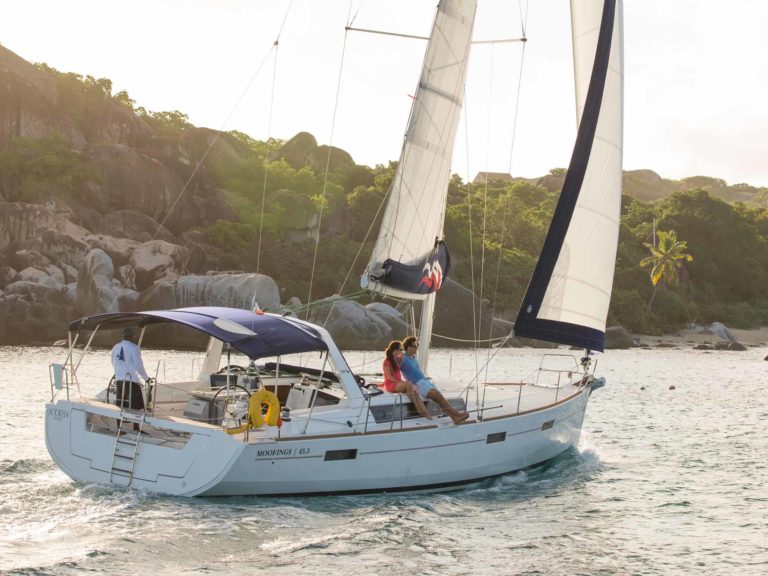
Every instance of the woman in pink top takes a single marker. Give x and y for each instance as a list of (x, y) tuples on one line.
[(393, 380)]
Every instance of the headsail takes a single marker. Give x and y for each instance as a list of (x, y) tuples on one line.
[(568, 297), (409, 258)]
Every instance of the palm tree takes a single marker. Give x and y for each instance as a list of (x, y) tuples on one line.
[(666, 260)]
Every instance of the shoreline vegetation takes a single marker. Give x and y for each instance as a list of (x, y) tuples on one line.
[(108, 207)]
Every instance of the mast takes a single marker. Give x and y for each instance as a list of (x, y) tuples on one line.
[(425, 330)]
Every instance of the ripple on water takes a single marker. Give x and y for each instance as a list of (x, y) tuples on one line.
[(663, 483)]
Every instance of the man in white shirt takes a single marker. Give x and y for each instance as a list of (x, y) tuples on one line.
[(126, 360)]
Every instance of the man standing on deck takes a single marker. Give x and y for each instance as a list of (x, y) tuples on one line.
[(412, 371), (126, 360)]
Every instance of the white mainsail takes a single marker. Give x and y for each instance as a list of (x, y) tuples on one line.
[(413, 219)]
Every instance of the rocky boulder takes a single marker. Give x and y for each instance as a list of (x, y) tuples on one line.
[(721, 331), (158, 261), (319, 158), (352, 325), (32, 228), (617, 338), (31, 275), (29, 259), (297, 150), (34, 312), (230, 290), (32, 107), (28, 95), (7, 276), (398, 326), (220, 150), (132, 181), (119, 250), (134, 225), (730, 346), (97, 289)]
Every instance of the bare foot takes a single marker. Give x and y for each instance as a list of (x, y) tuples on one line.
[(460, 417)]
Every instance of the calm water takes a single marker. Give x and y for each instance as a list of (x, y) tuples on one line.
[(664, 482)]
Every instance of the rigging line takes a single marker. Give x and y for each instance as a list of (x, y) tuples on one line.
[(523, 17), (485, 192), (469, 218), (517, 110), (226, 121), (475, 300), (200, 162), (360, 7), (276, 46), (477, 374), (266, 159), (467, 340), (498, 274), (328, 161), (359, 251)]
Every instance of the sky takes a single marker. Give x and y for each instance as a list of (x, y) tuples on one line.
[(696, 75)]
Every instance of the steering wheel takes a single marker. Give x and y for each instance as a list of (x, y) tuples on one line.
[(229, 399), (231, 386), (233, 369)]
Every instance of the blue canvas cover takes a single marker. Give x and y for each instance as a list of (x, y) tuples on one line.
[(255, 335)]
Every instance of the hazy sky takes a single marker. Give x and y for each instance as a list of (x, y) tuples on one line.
[(696, 75)]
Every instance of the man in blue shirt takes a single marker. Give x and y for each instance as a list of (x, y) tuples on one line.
[(412, 371)]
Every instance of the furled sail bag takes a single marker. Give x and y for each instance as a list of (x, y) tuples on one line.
[(423, 278)]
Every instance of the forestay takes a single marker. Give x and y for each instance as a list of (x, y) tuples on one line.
[(568, 297), (409, 259)]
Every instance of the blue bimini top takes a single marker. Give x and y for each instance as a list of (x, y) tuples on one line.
[(255, 335)]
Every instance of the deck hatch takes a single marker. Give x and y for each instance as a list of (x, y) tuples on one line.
[(349, 454), (496, 437)]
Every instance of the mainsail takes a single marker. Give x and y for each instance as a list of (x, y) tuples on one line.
[(568, 297), (409, 259)]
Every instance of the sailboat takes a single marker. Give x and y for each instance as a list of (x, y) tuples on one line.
[(279, 424)]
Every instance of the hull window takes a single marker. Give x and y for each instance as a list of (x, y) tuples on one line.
[(350, 454), (497, 437)]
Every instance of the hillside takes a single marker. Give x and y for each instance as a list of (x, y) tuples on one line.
[(648, 186), (106, 206)]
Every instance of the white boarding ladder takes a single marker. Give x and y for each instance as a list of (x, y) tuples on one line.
[(126, 446)]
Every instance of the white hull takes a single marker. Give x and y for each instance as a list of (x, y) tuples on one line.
[(181, 457)]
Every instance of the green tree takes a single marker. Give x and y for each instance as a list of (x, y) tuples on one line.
[(666, 260), (33, 169), (169, 124)]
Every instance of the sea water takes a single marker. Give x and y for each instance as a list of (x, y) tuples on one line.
[(664, 481)]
